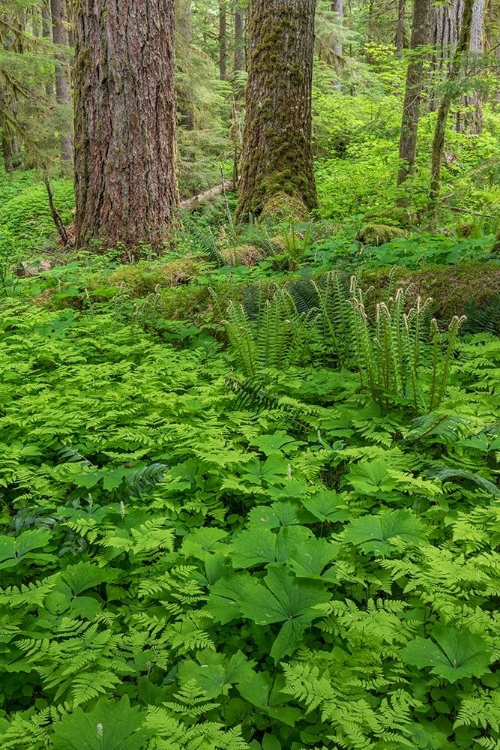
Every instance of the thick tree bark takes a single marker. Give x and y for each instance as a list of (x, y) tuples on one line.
[(124, 122), (444, 108), (63, 88), (413, 92), (473, 121), (239, 41), (222, 40), (277, 152), (338, 9), (400, 28)]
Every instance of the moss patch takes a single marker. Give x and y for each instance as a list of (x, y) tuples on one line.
[(378, 234), (282, 207), (449, 286)]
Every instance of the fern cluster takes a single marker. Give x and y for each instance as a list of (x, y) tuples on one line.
[(398, 351)]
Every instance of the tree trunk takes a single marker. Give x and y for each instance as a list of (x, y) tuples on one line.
[(444, 108), (184, 91), (473, 121), (446, 18), (124, 122), (63, 88), (413, 92), (277, 152), (400, 29), (47, 34), (338, 9), (222, 40), (239, 42)]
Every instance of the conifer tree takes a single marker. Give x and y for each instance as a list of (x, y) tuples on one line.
[(277, 152), (124, 122)]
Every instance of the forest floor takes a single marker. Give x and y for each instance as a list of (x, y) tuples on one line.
[(229, 519)]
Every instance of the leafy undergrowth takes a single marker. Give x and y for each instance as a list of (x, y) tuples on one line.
[(192, 561)]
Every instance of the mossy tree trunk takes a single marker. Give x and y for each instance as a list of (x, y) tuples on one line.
[(277, 152), (124, 122), (413, 91), (450, 94), (63, 87)]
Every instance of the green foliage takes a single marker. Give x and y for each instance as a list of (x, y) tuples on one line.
[(26, 225), (183, 567), (397, 359)]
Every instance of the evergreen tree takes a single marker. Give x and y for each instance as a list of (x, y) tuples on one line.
[(124, 122), (63, 89), (277, 153)]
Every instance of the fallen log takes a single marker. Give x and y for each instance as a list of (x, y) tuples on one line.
[(191, 204)]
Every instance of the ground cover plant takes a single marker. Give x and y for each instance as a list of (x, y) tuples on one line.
[(249, 375), (196, 554)]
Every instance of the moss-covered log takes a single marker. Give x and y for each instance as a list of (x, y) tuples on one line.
[(277, 152)]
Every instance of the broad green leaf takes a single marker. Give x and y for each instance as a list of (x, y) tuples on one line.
[(225, 595), (261, 546), (453, 654), (214, 673), (270, 444), (273, 516), (84, 575), (254, 547), (13, 549), (108, 726), (371, 477), (272, 470), (259, 689), (373, 533), (201, 541), (311, 557), (283, 598), (270, 742), (326, 505)]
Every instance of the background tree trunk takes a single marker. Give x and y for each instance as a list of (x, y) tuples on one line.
[(63, 88), (239, 41), (445, 29), (47, 34), (444, 108), (413, 92), (277, 152), (400, 29), (184, 91), (124, 122), (222, 40), (473, 120), (338, 9)]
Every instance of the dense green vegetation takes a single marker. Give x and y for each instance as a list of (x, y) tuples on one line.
[(249, 475), (201, 553)]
